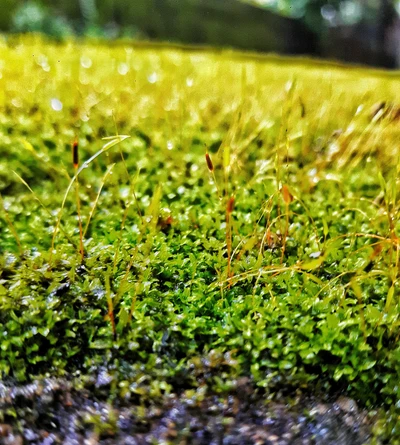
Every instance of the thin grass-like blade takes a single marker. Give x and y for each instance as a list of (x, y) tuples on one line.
[(114, 141), (97, 198)]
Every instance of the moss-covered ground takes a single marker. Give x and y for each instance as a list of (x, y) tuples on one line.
[(230, 217)]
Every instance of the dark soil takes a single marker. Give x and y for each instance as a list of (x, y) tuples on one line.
[(54, 412)]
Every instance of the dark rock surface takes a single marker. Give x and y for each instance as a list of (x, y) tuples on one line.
[(54, 412)]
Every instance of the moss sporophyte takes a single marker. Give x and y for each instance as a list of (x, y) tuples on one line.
[(276, 246)]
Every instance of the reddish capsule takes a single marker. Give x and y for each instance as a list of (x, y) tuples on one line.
[(75, 154), (230, 205), (287, 196), (209, 163)]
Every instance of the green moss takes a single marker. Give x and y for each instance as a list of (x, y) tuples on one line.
[(312, 294)]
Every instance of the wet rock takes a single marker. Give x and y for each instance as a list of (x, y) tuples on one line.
[(104, 378), (30, 435), (347, 405), (50, 440), (130, 441), (92, 440), (322, 409), (5, 429), (53, 412), (14, 440)]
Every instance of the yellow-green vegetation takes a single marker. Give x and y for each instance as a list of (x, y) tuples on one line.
[(276, 257)]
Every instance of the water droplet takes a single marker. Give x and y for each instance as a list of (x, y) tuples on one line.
[(359, 109), (312, 172), (43, 62), (189, 82), (84, 117), (56, 104), (17, 102), (152, 78), (124, 192), (170, 145), (10, 260), (333, 148), (104, 378), (123, 69), (86, 62), (99, 292)]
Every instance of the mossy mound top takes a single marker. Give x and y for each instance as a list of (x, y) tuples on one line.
[(274, 258)]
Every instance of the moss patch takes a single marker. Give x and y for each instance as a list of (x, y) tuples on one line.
[(276, 260)]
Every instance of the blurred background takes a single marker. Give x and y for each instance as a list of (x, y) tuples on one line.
[(357, 31)]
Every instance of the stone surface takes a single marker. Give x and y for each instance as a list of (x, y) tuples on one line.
[(243, 417)]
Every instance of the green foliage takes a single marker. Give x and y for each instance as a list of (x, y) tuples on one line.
[(318, 14), (311, 294), (33, 17), (60, 20)]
